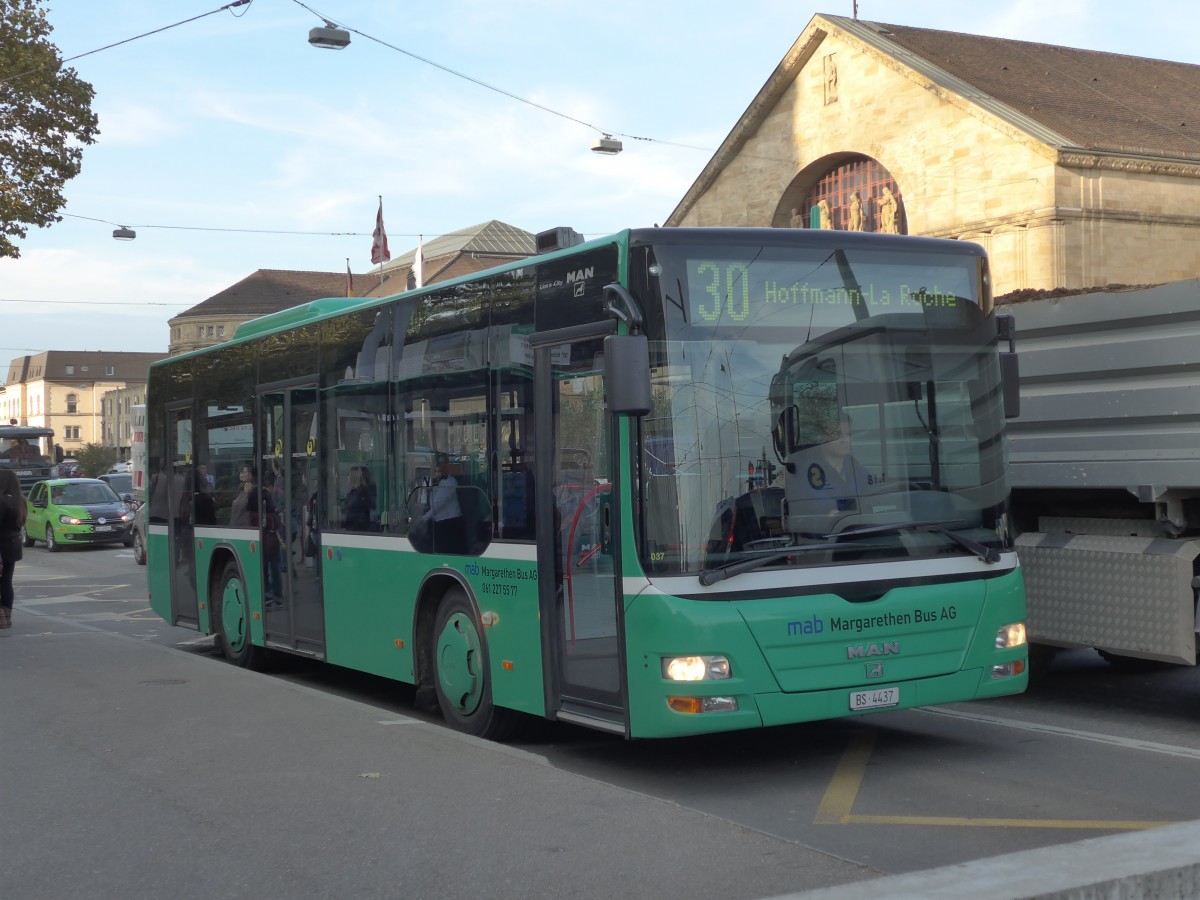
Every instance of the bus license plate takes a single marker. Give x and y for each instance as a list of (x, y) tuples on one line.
[(879, 698)]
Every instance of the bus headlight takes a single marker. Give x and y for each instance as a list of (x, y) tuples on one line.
[(695, 668), (1010, 636)]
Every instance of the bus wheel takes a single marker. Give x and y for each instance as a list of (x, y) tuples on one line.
[(460, 672), (230, 609)]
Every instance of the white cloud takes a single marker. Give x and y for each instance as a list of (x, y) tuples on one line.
[(129, 125)]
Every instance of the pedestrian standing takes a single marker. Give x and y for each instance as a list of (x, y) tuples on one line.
[(12, 522)]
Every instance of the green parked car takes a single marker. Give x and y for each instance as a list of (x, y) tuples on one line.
[(65, 511)]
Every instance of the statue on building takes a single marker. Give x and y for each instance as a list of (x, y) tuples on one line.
[(888, 208), (798, 221), (825, 214), (831, 79), (856, 222)]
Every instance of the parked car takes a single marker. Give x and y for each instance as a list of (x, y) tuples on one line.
[(64, 511), (122, 483), (139, 535)]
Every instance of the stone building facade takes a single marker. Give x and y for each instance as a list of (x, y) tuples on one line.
[(1074, 169), (74, 392)]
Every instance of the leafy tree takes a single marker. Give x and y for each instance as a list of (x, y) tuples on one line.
[(46, 119), (96, 459)]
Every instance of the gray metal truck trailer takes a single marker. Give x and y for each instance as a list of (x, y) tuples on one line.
[(1105, 466)]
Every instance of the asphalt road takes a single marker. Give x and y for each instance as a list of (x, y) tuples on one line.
[(1087, 751)]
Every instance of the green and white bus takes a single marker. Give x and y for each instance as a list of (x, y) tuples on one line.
[(589, 486)]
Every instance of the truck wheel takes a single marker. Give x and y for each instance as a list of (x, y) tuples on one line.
[(1133, 665)]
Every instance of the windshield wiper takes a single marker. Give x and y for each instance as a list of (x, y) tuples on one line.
[(989, 555), (720, 573)]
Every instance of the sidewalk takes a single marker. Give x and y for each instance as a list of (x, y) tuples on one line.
[(131, 770)]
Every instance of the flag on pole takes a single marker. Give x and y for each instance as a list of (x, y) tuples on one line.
[(349, 279), (379, 247), (419, 262)]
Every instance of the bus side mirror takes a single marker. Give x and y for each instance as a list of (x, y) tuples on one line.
[(1010, 370), (627, 374)]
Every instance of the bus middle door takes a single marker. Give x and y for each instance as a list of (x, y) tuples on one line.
[(580, 592), (294, 605)]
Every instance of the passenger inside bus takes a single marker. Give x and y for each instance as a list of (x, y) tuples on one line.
[(358, 505), (445, 514)]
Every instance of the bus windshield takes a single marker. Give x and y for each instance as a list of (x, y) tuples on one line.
[(816, 405)]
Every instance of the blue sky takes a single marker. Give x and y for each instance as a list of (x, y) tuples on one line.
[(220, 130)]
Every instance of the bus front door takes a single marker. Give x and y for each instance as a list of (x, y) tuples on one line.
[(294, 603), (580, 593), (180, 530)]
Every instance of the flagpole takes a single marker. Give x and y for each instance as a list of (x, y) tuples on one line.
[(379, 246)]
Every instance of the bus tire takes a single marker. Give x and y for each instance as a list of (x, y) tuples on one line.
[(460, 672), (229, 607)]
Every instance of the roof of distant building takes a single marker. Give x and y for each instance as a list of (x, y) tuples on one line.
[(271, 290), (493, 238), (1090, 100)]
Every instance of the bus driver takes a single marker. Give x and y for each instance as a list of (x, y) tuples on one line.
[(825, 481)]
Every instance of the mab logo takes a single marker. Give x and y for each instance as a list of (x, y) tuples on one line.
[(805, 626)]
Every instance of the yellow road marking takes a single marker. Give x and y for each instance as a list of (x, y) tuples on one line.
[(837, 804), (839, 796)]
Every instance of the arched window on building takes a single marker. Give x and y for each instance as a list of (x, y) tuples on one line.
[(72, 403), (859, 194)]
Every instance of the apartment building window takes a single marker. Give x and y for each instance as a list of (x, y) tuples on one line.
[(70, 370), (220, 331), (72, 404), (110, 370)]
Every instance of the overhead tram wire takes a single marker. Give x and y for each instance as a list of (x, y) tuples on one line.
[(136, 37), (492, 87)]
